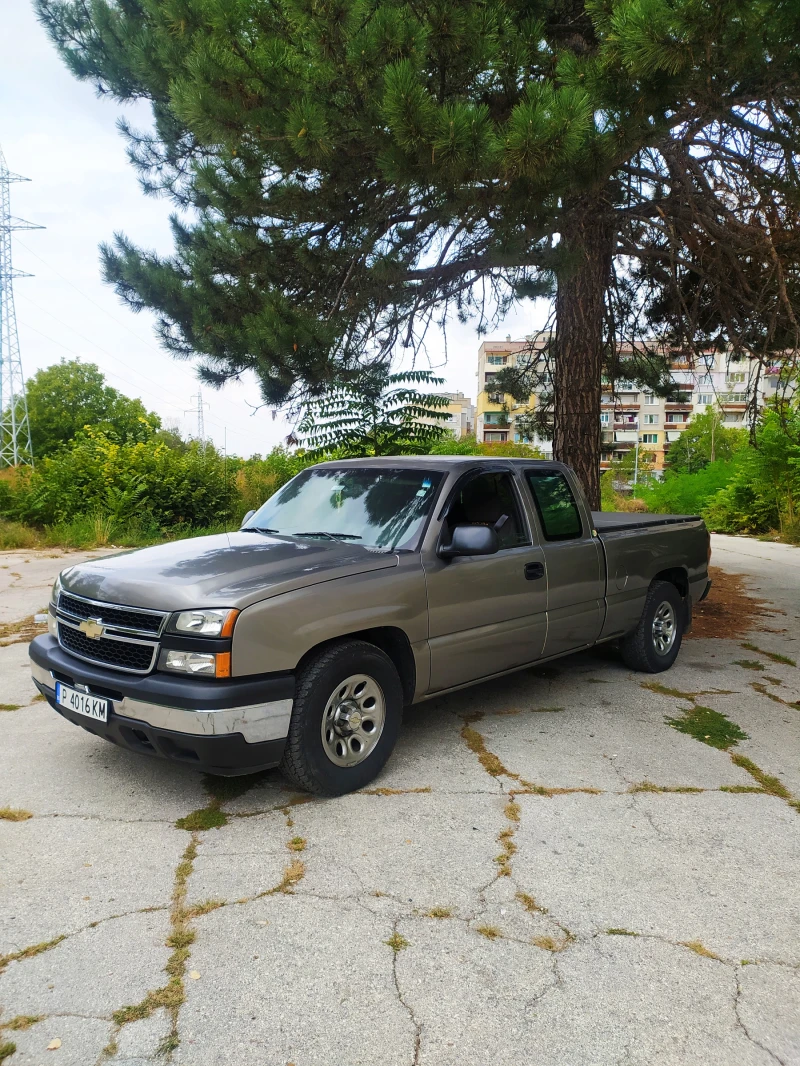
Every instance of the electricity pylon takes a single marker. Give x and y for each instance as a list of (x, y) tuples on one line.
[(201, 422), (15, 430)]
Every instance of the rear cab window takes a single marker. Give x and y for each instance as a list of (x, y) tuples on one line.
[(555, 503)]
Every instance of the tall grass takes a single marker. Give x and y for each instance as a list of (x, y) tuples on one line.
[(86, 532)]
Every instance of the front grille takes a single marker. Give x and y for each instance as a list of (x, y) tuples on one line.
[(119, 652), (135, 621)]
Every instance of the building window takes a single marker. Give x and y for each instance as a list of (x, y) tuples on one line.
[(649, 399), (495, 397), (705, 398), (495, 438), (649, 438), (735, 379), (605, 418), (677, 416), (651, 420), (497, 360), (731, 418)]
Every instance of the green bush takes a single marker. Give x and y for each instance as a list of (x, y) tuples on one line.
[(97, 476), (687, 493)]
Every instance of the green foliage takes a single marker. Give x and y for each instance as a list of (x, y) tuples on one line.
[(764, 492), (352, 167), (687, 493), (378, 414), (99, 476), (704, 440), (65, 398), (709, 727), (468, 445)]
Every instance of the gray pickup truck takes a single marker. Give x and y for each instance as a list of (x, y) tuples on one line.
[(360, 587)]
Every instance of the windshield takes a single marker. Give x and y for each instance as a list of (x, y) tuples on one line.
[(377, 507)]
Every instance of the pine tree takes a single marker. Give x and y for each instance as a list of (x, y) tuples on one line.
[(356, 169)]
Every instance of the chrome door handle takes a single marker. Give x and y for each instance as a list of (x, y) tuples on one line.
[(534, 571)]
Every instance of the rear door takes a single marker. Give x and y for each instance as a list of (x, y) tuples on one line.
[(486, 613), (573, 559)]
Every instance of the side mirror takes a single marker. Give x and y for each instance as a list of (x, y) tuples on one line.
[(471, 540), (247, 518)]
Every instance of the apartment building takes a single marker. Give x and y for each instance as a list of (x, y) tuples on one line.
[(460, 415), (629, 414)]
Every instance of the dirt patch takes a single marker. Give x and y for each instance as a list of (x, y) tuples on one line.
[(729, 611)]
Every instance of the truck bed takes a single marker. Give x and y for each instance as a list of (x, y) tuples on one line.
[(615, 521)]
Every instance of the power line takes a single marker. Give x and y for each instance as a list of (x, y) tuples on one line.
[(100, 307)]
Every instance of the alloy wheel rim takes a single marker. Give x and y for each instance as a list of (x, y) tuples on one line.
[(354, 717), (664, 628)]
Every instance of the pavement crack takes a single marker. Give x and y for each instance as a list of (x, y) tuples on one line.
[(398, 943), (741, 1024)]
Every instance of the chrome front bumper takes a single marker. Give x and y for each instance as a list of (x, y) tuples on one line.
[(256, 723)]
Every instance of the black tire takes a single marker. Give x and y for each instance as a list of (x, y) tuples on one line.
[(640, 650), (305, 760)]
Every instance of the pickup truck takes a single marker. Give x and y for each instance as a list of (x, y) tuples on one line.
[(360, 587)]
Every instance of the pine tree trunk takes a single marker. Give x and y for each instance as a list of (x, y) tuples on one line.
[(586, 235)]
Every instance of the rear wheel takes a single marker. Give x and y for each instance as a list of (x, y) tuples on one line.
[(654, 645), (347, 711)]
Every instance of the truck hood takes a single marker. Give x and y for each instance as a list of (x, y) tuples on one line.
[(225, 570)]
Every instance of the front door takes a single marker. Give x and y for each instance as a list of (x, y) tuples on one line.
[(486, 613), (575, 576)]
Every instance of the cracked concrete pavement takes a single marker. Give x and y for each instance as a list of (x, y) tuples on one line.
[(545, 872)]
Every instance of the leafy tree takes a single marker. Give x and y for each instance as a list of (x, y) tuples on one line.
[(65, 398), (705, 440), (380, 414), (357, 167), (764, 491)]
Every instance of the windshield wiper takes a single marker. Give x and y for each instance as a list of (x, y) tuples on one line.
[(330, 536), (257, 529)]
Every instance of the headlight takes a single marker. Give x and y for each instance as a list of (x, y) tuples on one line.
[(206, 664), (206, 623), (56, 590)]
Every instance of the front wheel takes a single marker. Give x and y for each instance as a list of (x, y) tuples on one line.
[(348, 707), (654, 645)]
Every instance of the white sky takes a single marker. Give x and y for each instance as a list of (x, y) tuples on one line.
[(55, 131)]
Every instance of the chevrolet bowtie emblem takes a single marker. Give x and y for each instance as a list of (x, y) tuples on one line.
[(92, 627)]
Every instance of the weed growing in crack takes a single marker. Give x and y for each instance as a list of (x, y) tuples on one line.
[(663, 690), (397, 942), (769, 784), (22, 1022), (530, 904), (512, 810), (698, 949), (477, 745), (395, 791), (439, 912), (10, 706), (503, 860), (204, 818), (620, 932), (172, 994), (14, 814), (649, 786), (773, 655), (764, 691), (294, 872), (740, 788), (749, 664), (7, 1049), (297, 844), (549, 943), (206, 907), (491, 932), (709, 727), (29, 952)]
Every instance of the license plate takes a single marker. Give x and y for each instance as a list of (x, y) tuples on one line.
[(82, 703)]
